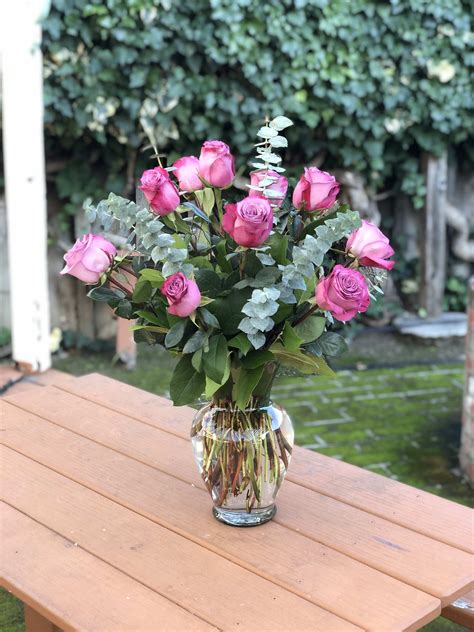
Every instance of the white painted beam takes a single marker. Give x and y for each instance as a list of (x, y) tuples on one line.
[(24, 165)]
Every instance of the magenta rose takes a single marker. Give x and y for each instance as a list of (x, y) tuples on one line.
[(161, 193), (216, 164), (187, 170), (280, 185), (370, 246), (316, 190), (249, 222), (182, 294), (344, 293), (89, 258)]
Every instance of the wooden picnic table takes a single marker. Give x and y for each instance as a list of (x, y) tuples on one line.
[(107, 527)]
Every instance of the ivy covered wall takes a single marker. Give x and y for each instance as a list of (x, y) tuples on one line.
[(369, 84)]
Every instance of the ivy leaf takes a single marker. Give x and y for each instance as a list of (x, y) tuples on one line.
[(311, 328), (175, 334), (186, 383), (216, 359)]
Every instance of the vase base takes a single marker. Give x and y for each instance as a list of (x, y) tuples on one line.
[(241, 518)]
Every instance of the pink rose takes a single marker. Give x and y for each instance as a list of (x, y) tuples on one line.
[(280, 184), (160, 192), (89, 258), (344, 293), (182, 294), (186, 170), (370, 246), (216, 164), (249, 222), (316, 190)]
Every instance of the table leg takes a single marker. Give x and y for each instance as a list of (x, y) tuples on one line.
[(35, 622)]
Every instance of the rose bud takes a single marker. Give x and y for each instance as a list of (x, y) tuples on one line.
[(280, 185), (182, 294), (216, 164), (249, 222), (161, 193), (370, 246), (186, 170), (316, 190), (344, 293), (89, 258)]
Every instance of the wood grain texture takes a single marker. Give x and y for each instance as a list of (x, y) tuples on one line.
[(430, 565), (461, 611), (410, 507), (35, 622), (74, 589), (325, 577)]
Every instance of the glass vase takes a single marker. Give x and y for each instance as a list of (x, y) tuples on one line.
[(243, 457)]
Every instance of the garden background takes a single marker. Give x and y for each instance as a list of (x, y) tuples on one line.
[(376, 90)]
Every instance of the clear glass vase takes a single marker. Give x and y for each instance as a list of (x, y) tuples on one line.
[(243, 457)]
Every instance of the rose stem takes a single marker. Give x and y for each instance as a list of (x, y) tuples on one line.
[(282, 448)]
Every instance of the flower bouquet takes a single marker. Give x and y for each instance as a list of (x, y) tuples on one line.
[(240, 289)]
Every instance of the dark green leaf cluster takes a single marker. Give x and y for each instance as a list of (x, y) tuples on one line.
[(375, 82)]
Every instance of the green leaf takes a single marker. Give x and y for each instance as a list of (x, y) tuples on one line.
[(332, 344), (152, 318), (196, 360), (155, 328), (196, 342), (228, 310), (186, 383), (278, 247), (290, 338), (154, 276), (197, 211), (124, 309), (209, 282), (175, 334), (257, 358), (311, 328), (240, 342), (208, 200), (201, 262), (209, 318), (216, 361), (221, 254), (142, 291), (105, 294), (299, 361), (247, 380)]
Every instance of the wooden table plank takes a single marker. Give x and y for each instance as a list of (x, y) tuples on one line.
[(410, 507), (427, 564), (53, 576), (305, 567), (414, 558), (197, 579)]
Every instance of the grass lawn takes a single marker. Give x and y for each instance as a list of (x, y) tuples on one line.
[(401, 422)]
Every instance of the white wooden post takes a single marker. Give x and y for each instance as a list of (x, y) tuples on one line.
[(22, 88)]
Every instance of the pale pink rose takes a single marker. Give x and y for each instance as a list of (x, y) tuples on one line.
[(161, 193), (89, 258), (344, 293), (182, 294), (216, 164), (249, 222), (316, 190), (370, 246), (280, 185), (187, 170)]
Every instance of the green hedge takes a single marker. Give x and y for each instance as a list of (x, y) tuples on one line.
[(370, 84)]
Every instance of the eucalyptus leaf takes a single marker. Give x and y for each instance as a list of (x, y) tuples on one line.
[(280, 123)]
